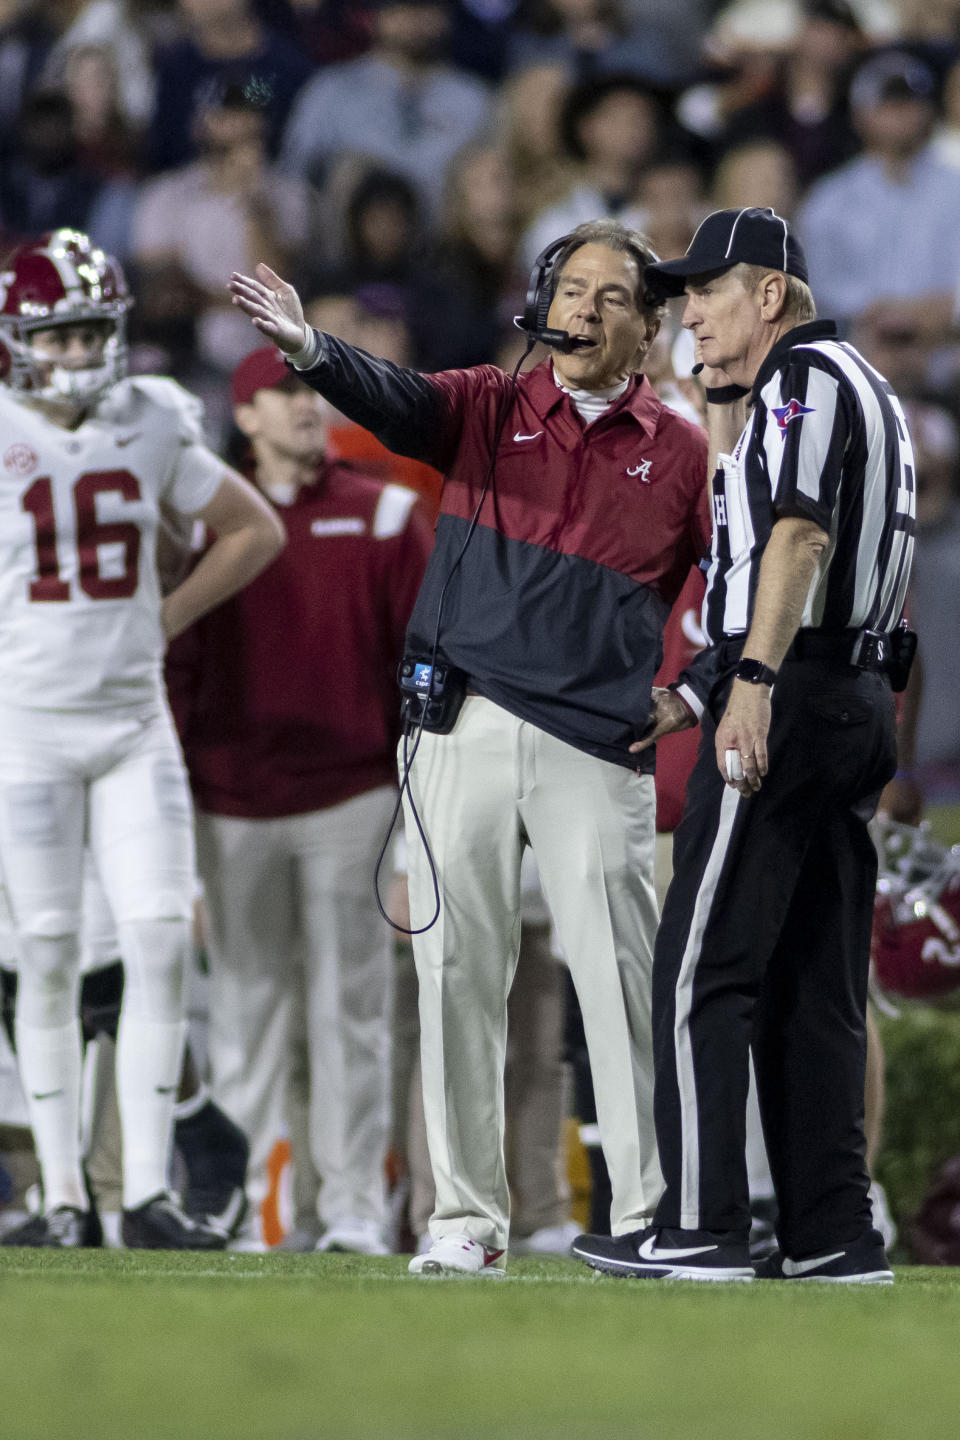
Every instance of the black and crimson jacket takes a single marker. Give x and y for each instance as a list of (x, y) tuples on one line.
[(557, 606)]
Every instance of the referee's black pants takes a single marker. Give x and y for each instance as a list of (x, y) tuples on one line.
[(765, 940)]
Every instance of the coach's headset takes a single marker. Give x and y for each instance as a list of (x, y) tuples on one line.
[(533, 324)]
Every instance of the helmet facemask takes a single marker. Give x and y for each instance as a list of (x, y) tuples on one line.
[(43, 378), (61, 279)]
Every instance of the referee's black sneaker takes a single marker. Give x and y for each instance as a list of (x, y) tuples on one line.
[(66, 1227), (160, 1224), (664, 1254), (859, 1262)]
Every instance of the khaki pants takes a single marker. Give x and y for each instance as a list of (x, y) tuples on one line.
[(483, 792), (535, 1098)]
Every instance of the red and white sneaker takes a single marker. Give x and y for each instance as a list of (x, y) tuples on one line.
[(459, 1255)]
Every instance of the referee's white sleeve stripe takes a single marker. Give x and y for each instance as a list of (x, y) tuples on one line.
[(695, 703), (816, 433)]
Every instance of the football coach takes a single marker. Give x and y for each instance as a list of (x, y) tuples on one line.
[(573, 507), (766, 928)]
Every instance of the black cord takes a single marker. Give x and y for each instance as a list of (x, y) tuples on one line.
[(409, 757)]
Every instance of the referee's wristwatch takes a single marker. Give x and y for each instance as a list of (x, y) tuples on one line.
[(755, 672)]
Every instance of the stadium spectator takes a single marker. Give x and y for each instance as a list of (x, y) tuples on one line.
[(805, 107), (44, 183), (671, 194), (527, 120), (327, 31), (382, 233), (192, 225), (401, 104), (27, 35), (289, 721), (480, 36), (559, 618), (756, 172), (128, 31), (611, 130), (859, 222), (224, 42), (658, 41), (471, 288), (945, 143)]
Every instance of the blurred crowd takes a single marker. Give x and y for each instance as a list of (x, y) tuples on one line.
[(403, 162)]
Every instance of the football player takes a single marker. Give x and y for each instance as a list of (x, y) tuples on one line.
[(87, 748)]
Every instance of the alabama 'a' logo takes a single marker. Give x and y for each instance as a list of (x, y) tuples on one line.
[(783, 414)]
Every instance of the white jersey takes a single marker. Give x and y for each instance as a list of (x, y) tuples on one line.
[(79, 512)]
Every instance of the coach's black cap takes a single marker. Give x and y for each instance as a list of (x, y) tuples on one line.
[(727, 238)]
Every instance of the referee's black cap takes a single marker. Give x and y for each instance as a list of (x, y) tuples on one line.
[(727, 238)]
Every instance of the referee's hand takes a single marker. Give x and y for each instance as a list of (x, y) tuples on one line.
[(741, 738)]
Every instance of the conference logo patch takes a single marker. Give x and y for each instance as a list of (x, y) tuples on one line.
[(783, 414)]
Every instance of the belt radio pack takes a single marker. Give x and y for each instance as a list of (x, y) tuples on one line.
[(893, 653), (438, 687)]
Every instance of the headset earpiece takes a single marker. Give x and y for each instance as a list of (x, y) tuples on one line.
[(533, 321)]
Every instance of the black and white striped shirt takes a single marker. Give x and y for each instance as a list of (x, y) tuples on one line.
[(826, 440)]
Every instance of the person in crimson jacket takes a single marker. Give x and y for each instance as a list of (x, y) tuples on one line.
[(573, 507), (289, 722)]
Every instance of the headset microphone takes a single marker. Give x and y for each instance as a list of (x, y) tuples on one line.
[(560, 340)]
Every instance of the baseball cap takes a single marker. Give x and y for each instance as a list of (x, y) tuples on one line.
[(895, 75), (732, 237), (263, 369)]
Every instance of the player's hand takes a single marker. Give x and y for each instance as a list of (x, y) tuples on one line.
[(668, 714), (273, 306), (741, 738)]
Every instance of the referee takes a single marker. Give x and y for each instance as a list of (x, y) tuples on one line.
[(766, 928)]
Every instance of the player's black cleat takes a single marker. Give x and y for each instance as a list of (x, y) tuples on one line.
[(160, 1224), (65, 1228)]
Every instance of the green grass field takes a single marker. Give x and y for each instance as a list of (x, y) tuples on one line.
[(167, 1346)]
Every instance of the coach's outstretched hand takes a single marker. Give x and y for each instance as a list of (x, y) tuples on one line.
[(273, 306)]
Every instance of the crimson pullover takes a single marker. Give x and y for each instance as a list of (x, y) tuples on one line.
[(557, 606), (286, 695)]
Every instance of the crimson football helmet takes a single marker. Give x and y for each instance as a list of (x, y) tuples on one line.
[(61, 279), (916, 918)]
